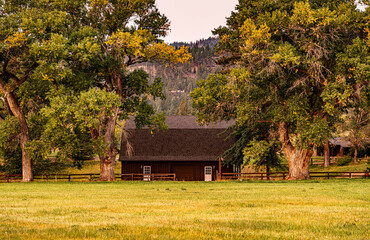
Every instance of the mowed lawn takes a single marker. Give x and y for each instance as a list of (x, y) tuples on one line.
[(328, 209)]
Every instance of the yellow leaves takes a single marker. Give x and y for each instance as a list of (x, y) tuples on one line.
[(98, 3), (16, 40), (130, 43), (254, 35), (302, 13), (166, 53), (286, 55), (368, 36), (139, 44)]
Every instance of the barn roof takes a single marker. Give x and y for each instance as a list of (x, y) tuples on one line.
[(186, 122), (184, 140), (340, 142)]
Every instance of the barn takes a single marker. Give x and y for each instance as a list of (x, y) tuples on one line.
[(188, 150)]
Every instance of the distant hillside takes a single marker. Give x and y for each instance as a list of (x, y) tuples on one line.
[(180, 79), (210, 42)]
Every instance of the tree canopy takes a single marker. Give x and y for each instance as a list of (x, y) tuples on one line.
[(293, 66), (66, 47)]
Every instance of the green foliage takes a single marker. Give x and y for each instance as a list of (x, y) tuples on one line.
[(68, 47), (75, 123), (11, 152), (344, 161), (262, 153), (301, 64)]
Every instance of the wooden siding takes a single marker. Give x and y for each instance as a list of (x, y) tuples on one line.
[(185, 171), (184, 149)]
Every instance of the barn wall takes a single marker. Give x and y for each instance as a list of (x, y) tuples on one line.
[(185, 171)]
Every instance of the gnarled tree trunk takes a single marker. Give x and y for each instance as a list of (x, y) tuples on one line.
[(298, 159), (108, 160), (27, 175)]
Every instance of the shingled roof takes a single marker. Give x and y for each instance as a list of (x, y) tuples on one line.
[(184, 140), (185, 122)]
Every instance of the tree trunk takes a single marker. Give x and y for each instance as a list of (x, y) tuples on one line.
[(355, 159), (298, 159), (314, 154), (326, 154), (341, 151), (108, 160), (27, 175)]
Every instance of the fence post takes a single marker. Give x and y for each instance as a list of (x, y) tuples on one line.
[(283, 175), (47, 177), (328, 175), (69, 177), (7, 178), (350, 175), (261, 176)]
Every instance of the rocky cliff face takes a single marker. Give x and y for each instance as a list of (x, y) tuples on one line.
[(180, 79)]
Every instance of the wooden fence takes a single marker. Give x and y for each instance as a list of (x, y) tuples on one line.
[(172, 176), (90, 177), (149, 177), (319, 160), (283, 175)]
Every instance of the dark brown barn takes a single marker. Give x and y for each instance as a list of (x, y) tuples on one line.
[(190, 151)]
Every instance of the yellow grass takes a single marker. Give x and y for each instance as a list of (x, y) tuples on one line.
[(330, 209)]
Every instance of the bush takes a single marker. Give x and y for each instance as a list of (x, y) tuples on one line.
[(12, 164), (344, 161)]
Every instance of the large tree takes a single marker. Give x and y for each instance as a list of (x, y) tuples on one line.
[(32, 49), (282, 67), (126, 32), (79, 44)]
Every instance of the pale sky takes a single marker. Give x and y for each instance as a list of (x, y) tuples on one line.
[(192, 20)]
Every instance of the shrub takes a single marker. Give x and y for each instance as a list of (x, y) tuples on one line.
[(344, 161)]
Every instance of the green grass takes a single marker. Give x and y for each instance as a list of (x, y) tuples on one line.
[(352, 167), (330, 209), (92, 166)]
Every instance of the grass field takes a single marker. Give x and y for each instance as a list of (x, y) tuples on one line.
[(330, 209)]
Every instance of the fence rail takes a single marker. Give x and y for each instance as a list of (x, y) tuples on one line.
[(172, 176), (319, 160), (149, 177), (283, 175), (89, 177)]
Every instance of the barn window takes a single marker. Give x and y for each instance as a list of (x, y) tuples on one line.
[(147, 171)]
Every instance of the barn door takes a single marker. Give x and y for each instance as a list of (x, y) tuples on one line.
[(147, 171), (208, 173)]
